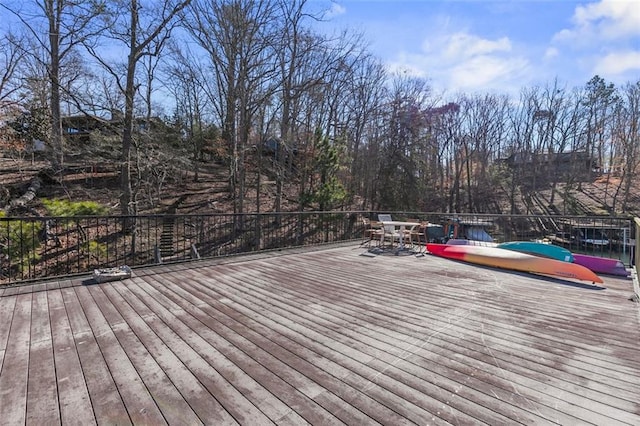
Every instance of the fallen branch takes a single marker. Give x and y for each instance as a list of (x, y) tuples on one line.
[(28, 196)]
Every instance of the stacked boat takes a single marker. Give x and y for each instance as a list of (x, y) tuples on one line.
[(597, 264), (531, 256)]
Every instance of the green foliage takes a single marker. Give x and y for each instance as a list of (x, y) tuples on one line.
[(66, 208), (330, 191), (19, 240), (95, 249), (34, 125)]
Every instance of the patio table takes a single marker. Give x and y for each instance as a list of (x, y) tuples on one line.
[(401, 226)]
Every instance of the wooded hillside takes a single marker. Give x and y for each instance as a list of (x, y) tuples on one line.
[(181, 194), (248, 100)]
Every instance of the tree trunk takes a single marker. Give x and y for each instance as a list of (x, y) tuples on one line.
[(57, 158), (126, 199)]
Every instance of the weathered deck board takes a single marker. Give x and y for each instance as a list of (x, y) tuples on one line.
[(103, 392), (137, 397), (74, 401), (7, 307), (403, 384), (412, 339), (141, 346), (42, 386), (322, 337), (291, 358), (15, 368), (252, 372), (371, 343)]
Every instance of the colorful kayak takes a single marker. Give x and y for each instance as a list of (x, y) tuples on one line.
[(601, 265), (513, 260), (539, 249), (465, 242)]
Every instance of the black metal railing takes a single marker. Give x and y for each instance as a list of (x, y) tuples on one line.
[(47, 247), (606, 236), (35, 248), (636, 253)]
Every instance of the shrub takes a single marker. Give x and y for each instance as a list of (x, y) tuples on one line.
[(66, 208), (95, 249), (19, 240)]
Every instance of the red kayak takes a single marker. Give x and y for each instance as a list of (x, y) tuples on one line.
[(513, 260)]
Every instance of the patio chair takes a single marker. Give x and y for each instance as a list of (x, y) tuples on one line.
[(372, 231), (391, 234), (419, 234), (411, 234), (384, 217)]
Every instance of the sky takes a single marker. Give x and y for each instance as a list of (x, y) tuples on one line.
[(497, 46), (493, 46)]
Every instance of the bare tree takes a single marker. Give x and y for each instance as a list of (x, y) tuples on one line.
[(518, 149), (600, 98), (627, 138), (184, 79), (36, 94), (296, 47), (319, 100), (150, 65), (141, 34), (12, 53), (405, 133), (237, 36), (599, 104), (567, 139), (67, 25), (484, 122), (363, 108)]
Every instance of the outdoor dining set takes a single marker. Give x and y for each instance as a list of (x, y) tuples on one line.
[(399, 235)]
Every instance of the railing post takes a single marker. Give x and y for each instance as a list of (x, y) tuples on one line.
[(636, 253), (635, 259), (300, 230), (258, 231)]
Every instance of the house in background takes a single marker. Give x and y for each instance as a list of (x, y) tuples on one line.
[(554, 165), (78, 128)]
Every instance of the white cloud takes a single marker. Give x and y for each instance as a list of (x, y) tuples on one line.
[(604, 38), (610, 18), (463, 45), (604, 20), (551, 53), (466, 62), (486, 71), (335, 10), (618, 63)]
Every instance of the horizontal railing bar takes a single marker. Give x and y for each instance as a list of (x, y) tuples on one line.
[(35, 248)]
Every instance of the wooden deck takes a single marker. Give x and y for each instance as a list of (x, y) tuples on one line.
[(325, 336)]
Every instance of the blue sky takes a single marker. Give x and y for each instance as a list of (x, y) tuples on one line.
[(498, 46), (495, 46)]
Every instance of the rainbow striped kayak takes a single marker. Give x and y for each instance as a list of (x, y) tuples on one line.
[(465, 242), (513, 260)]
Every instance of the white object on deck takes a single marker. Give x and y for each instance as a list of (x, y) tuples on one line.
[(111, 274)]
